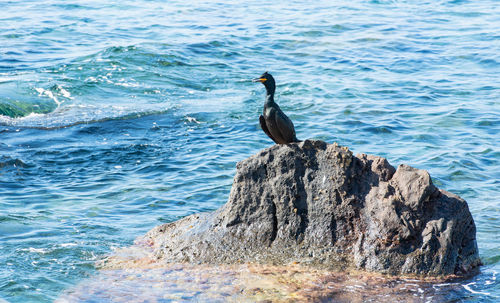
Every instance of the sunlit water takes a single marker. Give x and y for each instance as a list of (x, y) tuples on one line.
[(116, 116)]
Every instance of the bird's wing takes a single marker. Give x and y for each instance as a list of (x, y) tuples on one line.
[(285, 126), (264, 128)]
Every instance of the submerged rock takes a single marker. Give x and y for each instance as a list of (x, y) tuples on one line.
[(251, 283), (316, 204)]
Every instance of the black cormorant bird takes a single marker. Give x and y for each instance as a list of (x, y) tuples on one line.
[(273, 121)]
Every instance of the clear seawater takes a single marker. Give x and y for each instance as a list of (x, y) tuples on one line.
[(117, 116)]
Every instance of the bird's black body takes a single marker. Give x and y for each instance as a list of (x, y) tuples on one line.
[(273, 121)]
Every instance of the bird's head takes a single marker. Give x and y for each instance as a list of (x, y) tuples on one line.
[(268, 82)]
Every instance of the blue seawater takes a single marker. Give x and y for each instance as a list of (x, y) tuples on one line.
[(116, 116)]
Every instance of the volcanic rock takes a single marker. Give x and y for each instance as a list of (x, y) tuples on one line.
[(316, 204)]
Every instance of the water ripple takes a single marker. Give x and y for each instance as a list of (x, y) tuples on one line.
[(118, 116)]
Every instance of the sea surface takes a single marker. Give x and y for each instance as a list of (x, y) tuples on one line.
[(117, 116)]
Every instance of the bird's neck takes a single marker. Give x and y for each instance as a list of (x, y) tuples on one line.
[(269, 98)]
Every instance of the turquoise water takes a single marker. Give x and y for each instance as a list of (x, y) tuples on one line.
[(118, 116)]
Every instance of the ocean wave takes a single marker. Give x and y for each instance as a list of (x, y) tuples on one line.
[(25, 101), (81, 114), (107, 84)]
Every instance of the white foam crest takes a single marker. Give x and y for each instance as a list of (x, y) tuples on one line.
[(91, 79), (192, 120), (469, 289), (48, 93), (2, 79), (20, 120), (32, 116), (36, 250), (71, 114), (65, 93), (126, 84), (62, 92), (68, 244), (492, 280)]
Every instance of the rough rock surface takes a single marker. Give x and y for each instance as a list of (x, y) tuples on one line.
[(316, 204)]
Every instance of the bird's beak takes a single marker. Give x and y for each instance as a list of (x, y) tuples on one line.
[(262, 80)]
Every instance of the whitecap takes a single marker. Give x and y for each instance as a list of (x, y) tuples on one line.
[(36, 250), (192, 119), (67, 244), (91, 79), (2, 80), (48, 93), (125, 84), (65, 93), (20, 120), (469, 289), (69, 114)]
